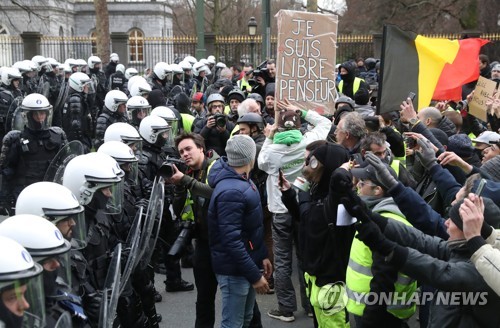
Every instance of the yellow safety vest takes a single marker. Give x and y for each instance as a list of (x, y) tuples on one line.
[(359, 276), (355, 87), (187, 122), (187, 213), (244, 85)]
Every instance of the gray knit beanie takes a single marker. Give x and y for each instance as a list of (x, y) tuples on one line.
[(240, 150), (492, 168)]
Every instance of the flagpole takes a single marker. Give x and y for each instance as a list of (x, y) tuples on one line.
[(381, 77)]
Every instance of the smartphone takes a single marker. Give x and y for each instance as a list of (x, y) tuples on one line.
[(411, 95), (480, 187)]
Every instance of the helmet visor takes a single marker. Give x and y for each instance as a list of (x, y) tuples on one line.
[(131, 170), (33, 294), (36, 120), (136, 115), (57, 274), (114, 197), (73, 229)]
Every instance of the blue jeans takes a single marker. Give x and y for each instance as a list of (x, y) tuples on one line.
[(238, 299)]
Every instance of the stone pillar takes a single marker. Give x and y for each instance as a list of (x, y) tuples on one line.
[(31, 44), (377, 45), (119, 45), (210, 45)]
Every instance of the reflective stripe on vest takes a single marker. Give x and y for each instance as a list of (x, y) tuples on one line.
[(395, 166), (355, 87), (187, 212), (359, 276)]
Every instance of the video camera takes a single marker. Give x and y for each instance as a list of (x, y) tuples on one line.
[(166, 169), (260, 71)]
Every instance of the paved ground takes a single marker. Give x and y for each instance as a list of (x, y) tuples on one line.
[(178, 309)]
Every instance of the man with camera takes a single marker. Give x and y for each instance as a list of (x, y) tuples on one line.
[(264, 74), (215, 128), (191, 199)]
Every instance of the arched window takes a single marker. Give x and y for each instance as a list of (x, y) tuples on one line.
[(136, 45), (93, 41)]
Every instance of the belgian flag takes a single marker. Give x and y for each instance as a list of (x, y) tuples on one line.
[(430, 67)]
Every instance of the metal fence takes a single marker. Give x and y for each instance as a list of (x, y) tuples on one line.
[(146, 51), (62, 48), (11, 49)]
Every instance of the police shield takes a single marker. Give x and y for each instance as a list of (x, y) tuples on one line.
[(152, 222), (55, 171), (44, 87), (15, 117), (64, 321), (61, 97), (132, 248), (111, 291)]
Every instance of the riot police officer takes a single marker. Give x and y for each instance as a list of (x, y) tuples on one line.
[(27, 153), (47, 246), (18, 271), (76, 116), (114, 110), (58, 204), (10, 93), (99, 81), (158, 80), (117, 80), (137, 108), (95, 179)]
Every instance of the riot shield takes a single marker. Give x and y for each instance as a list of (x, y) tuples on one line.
[(43, 87), (61, 97), (111, 291), (132, 247), (152, 222), (174, 92), (64, 321), (15, 119), (55, 171)]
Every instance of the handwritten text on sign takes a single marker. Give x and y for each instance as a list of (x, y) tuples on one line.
[(306, 59)]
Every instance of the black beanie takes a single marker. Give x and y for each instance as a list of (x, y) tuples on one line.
[(156, 98), (491, 213), (270, 88)]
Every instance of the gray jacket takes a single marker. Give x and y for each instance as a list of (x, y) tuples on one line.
[(446, 266)]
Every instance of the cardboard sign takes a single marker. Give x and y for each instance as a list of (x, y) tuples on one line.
[(484, 90), (305, 65)]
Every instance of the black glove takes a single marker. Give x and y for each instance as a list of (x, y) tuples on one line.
[(369, 233), (426, 155), (142, 202), (355, 206), (342, 180), (382, 173), (92, 306)]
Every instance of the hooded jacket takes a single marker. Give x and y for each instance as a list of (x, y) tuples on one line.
[(274, 156), (235, 228), (346, 87), (324, 245)]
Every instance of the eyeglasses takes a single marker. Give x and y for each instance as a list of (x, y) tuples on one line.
[(362, 183), (217, 106)]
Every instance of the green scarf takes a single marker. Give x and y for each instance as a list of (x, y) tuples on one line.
[(288, 137)]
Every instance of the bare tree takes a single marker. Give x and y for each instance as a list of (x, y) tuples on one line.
[(102, 28)]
